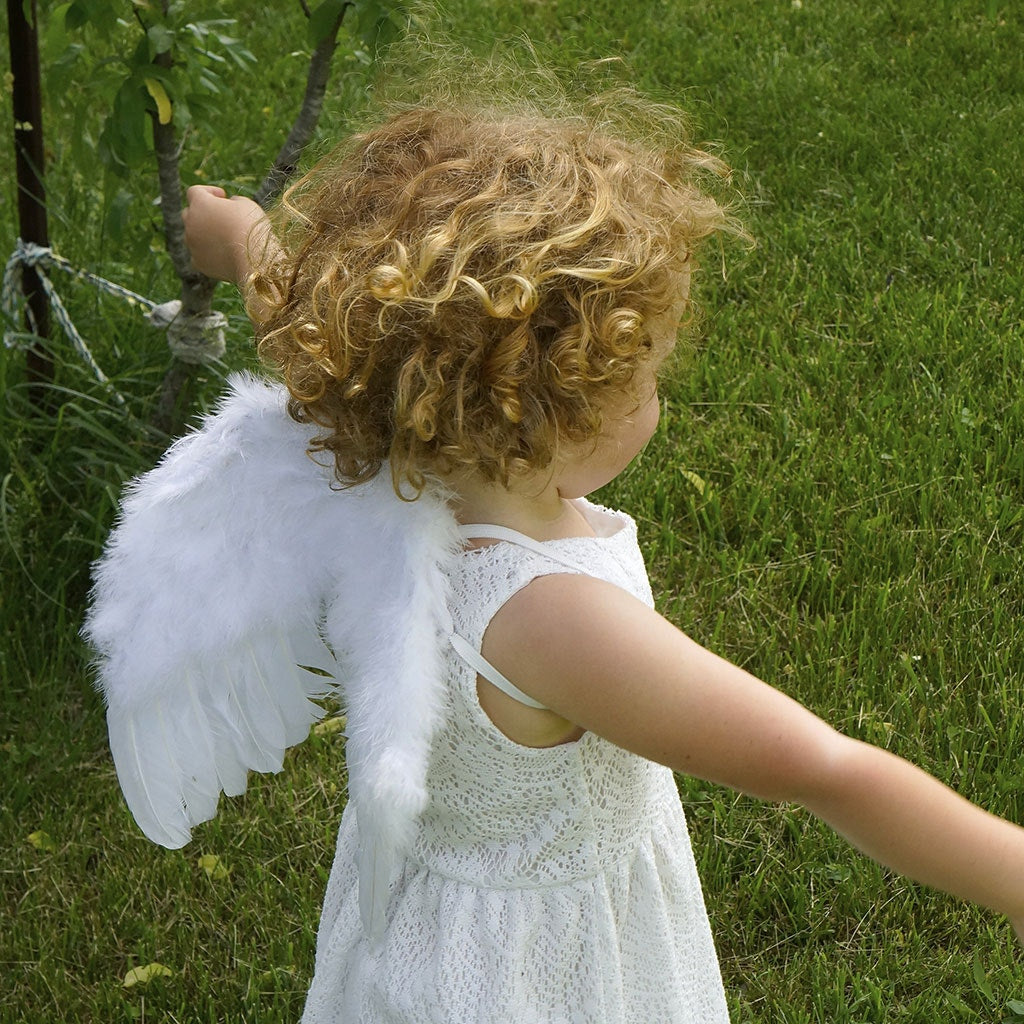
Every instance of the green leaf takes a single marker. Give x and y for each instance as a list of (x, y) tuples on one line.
[(76, 15), (83, 143), (183, 112), (124, 141), (336, 723), (55, 36), (954, 1002), (161, 99), (42, 841), (63, 69), (117, 218), (144, 975), (140, 55), (695, 480), (106, 15), (161, 39), (209, 81), (102, 15), (214, 867), (1015, 1006), (322, 20), (377, 22), (984, 985), (241, 56), (107, 157)]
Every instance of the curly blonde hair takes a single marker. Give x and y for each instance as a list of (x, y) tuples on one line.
[(470, 287)]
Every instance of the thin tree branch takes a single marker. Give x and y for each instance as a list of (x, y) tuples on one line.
[(287, 159), (196, 288)]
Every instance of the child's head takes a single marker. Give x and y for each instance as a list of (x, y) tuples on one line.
[(469, 289)]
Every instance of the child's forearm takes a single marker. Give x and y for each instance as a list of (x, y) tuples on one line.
[(907, 820), (225, 235)]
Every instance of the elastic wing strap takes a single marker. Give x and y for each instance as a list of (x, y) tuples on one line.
[(472, 657)]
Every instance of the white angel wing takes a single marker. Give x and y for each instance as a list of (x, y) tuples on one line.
[(206, 603), (209, 599)]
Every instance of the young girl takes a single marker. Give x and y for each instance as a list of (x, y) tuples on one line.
[(473, 305)]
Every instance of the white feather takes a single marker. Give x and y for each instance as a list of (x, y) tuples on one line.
[(147, 779), (201, 785)]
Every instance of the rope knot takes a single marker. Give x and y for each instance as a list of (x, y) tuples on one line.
[(192, 338), (28, 254)]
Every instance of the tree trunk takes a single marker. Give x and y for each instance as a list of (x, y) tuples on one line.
[(29, 158)]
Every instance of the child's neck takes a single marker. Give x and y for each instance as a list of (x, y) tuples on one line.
[(534, 507)]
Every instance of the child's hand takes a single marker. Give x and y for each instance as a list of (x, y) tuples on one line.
[(219, 232)]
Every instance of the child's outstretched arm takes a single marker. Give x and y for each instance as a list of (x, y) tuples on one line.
[(607, 662)]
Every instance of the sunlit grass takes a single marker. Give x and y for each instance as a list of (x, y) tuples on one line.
[(834, 500)]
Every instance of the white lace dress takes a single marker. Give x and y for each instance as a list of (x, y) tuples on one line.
[(545, 886)]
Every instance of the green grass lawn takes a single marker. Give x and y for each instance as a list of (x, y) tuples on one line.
[(833, 500)]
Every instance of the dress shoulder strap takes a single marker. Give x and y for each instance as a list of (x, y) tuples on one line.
[(465, 650)]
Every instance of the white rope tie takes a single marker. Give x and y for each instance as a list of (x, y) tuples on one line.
[(193, 339), (198, 338)]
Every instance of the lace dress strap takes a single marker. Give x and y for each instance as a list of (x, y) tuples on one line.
[(463, 648)]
